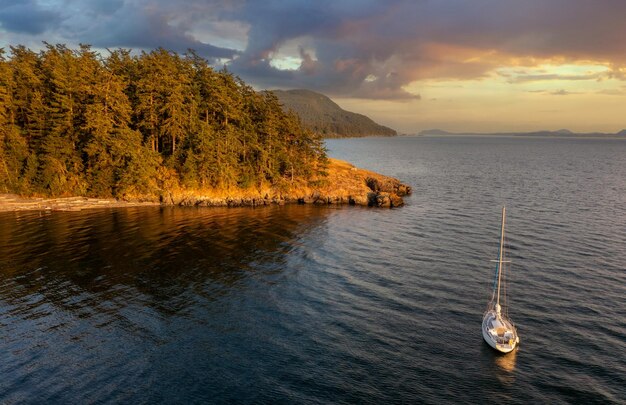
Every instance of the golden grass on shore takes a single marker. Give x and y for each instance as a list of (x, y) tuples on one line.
[(344, 184)]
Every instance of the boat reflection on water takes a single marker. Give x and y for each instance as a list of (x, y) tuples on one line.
[(507, 363), (498, 366), (506, 367)]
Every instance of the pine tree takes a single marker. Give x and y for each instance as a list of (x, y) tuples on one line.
[(61, 170), (12, 147)]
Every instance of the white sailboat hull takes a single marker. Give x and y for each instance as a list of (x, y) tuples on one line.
[(499, 333)]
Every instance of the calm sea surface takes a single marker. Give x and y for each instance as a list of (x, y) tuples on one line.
[(303, 304)]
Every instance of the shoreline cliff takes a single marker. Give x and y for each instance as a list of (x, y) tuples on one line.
[(344, 184)]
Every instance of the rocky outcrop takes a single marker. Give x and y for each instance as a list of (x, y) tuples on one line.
[(387, 192), (344, 184)]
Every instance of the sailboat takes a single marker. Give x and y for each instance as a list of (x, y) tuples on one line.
[(498, 330)]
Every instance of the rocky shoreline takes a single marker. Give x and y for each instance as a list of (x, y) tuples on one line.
[(345, 184)]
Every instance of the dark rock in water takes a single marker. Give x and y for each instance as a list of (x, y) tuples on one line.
[(383, 200), (386, 193), (403, 189), (371, 199), (396, 201), (373, 184)]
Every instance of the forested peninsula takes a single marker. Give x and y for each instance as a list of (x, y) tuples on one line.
[(160, 127)]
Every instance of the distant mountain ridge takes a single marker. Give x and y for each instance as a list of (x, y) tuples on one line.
[(323, 116), (557, 133)]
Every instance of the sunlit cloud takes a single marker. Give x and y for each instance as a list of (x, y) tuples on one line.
[(613, 92), (564, 72), (286, 63), (562, 92)]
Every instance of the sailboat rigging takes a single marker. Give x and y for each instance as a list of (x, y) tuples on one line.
[(498, 330)]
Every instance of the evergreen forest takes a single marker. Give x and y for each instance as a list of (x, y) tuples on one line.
[(125, 125)]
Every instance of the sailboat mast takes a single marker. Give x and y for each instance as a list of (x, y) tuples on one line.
[(500, 256)]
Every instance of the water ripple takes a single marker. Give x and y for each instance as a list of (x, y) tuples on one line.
[(332, 304)]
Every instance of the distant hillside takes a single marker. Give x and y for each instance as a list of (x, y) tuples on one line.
[(320, 114), (564, 133)]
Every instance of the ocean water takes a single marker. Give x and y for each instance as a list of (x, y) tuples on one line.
[(302, 304)]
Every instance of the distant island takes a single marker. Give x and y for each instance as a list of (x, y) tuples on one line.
[(561, 133), (324, 117), (158, 127)]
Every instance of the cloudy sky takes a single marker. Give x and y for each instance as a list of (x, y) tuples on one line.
[(475, 65)]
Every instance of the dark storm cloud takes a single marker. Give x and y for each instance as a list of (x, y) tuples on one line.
[(363, 48), (342, 35), (141, 25), (106, 7), (150, 27), (396, 42), (27, 16)]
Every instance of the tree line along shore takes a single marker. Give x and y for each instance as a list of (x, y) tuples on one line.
[(157, 126)]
